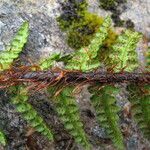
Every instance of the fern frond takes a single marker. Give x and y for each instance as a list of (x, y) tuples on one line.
[(140, 100), (49, 62), (20, 100), (67, 108), (83, 58), (104, 101), (7, 57), (68, 112), (2, 138), (124, 53), (28, 112)]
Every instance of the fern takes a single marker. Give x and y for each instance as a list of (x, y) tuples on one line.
[(104, 101), (7, 57), (124, 54), (66, 106), (2, 138), (49, 62), (28, 112), (140, 107), (20, 101), (68, 112), (140, 99), (84, 59)]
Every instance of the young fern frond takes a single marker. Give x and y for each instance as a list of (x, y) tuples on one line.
[(103, 100), (28, 112), (124, 53), (85, 58), (2, 138), (68, 112), (7, 57)]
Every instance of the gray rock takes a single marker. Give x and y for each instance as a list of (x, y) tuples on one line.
[(46, 38), (139, 12)]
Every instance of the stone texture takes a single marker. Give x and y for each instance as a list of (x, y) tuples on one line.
[(139, 12), (46, 38)]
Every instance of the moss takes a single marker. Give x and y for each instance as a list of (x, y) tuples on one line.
[(81, 25), (111, 39), (108, 4), (78, 23), (73, 11), (106, 50), (81, 33)]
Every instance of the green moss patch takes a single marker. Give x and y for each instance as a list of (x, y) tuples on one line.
[(79, 24)]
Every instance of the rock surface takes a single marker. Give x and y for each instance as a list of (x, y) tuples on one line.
[(46, 38), (139, 12)]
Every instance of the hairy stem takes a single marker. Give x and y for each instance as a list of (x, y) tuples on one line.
[(53, 77)]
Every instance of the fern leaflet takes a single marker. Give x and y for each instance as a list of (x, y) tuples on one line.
[(84, 59), (140, 100), (104, 102), (148, 59), (2, 138), (68, 112), (49, 62), (28, 112), (124, 54), (7, 57)]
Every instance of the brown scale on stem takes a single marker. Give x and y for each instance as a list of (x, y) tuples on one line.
[(57, 76)]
